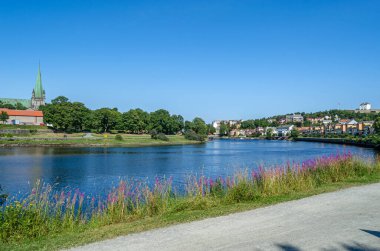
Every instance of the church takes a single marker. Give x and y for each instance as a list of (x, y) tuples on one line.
[(38, 96)]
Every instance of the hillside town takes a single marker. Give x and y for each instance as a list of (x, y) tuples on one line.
[(305, 126)]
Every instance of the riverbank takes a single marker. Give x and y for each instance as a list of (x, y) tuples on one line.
[(287, 226), (151, 207), (92, 140), (353, 142)]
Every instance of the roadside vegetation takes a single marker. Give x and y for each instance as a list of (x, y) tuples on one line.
[(50, 219)]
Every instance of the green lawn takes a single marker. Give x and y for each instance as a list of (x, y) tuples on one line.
[(129, 140), (25, 127)]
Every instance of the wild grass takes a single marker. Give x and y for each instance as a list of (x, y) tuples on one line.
[(45, 212)]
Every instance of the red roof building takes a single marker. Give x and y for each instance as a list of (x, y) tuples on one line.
[(24, 117)]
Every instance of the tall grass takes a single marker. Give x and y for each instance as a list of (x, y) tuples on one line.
[(45, 211)]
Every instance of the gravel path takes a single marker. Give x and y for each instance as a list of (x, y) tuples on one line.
[(345, 220)]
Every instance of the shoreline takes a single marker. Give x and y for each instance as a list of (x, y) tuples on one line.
[(109, 141), (339, 142), (98, 145)]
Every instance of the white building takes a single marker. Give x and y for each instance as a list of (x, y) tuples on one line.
[(365, 106), (284, 130)]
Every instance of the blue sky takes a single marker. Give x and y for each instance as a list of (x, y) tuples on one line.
[(214, 59)]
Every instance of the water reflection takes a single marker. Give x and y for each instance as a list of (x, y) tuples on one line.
[(94, 169)]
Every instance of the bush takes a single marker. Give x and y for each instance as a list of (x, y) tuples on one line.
[(118, 137), (191, 135), (18, 223), (243, 191), (33, 131), (294, 134), (159, 136)]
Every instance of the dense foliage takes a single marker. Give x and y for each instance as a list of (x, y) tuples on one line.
[(67, 116), (158, 135), (18, 106), (4, 116), (376, 125)]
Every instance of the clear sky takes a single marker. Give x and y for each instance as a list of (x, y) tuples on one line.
[(222, 59)]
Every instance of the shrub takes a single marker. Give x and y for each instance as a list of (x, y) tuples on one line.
[(159, 136), (294, 134), (243, 191), (119, 137), (191, 135), (33, 131), (18, 223)]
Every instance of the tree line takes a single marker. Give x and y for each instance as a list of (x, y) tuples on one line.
[(64, 115), (17, 106)]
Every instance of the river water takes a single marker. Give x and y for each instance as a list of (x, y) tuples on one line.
[(96, 170)]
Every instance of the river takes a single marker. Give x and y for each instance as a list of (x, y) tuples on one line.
[(96, 170)]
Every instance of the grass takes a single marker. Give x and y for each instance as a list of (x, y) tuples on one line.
[(24, 127), (59, 139), (50, 220)]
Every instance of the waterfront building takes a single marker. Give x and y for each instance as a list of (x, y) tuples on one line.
[(284, 130), (37, 99), (23, 117)]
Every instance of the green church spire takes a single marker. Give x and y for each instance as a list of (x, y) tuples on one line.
[(38, 90)]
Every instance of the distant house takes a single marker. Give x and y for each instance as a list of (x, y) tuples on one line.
[(304, 130), (365, 106), (24, 117), (314, 121), (282, 121), (260, 130), (294, 118), (284, 130)]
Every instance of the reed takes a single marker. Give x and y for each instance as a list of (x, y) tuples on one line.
[(45, 211)]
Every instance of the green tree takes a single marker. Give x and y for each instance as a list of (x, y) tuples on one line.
[(199, 126), (106, 119), (210, 129), (269, 134), (4, 117), (248, 124), (60, 100), (294, 134), (160, 121), (20, 106), (188, 125), (6, 105), (223, 130), (376, 125), (67, 116), (135, 121), (177, 123)]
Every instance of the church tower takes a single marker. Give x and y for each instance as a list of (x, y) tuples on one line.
[(38, 94)]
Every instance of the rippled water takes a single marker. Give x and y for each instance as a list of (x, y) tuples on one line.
[(95, 170)]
